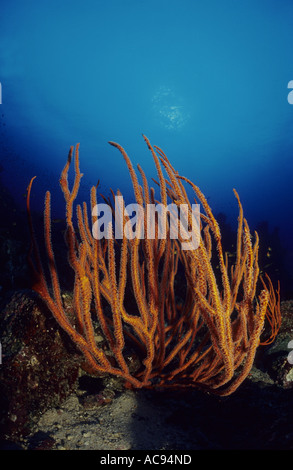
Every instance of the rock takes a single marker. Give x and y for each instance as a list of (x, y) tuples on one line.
[(274, 358), (39, 363)]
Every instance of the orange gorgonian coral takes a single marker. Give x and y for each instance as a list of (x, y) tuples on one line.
[(188, 323)]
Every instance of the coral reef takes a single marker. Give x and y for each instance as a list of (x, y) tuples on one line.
[(207, 338)]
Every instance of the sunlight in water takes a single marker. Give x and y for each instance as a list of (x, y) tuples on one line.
[(169, 109)]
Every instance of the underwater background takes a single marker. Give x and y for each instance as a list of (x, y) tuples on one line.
[(205, 80)]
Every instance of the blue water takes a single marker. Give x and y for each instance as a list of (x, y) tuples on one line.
[(206, 80)]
